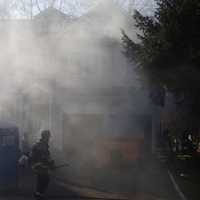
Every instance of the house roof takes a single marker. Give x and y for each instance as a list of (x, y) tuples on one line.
[(107, 18), (52, 14)]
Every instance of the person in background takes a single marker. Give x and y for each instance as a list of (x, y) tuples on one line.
[(42, 163)]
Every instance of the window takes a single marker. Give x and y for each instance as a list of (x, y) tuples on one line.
[(7, 140)]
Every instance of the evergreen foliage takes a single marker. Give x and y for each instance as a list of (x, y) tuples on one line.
[(169, 47)]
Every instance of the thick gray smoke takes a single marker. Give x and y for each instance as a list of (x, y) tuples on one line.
[(69, 75)]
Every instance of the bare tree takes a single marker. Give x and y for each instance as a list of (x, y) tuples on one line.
[(4, 9), (29, 8), (61, 4), (52, 3), (25, 7), (38, 5)]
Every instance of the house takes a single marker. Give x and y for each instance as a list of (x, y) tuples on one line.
[(78, 82)]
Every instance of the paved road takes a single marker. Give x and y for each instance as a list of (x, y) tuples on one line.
[(148, 181), (152, 182)]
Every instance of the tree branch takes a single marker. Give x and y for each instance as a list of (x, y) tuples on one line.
[(38, 5)]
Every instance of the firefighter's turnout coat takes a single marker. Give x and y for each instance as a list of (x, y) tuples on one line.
[(41, 161)]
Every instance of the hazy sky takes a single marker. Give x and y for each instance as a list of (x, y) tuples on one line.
[(72, 7), (145, 6)]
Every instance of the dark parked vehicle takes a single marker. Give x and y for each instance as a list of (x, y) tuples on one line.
[(9, 148)]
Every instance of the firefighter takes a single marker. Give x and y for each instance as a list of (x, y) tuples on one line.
[(42, 163)]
